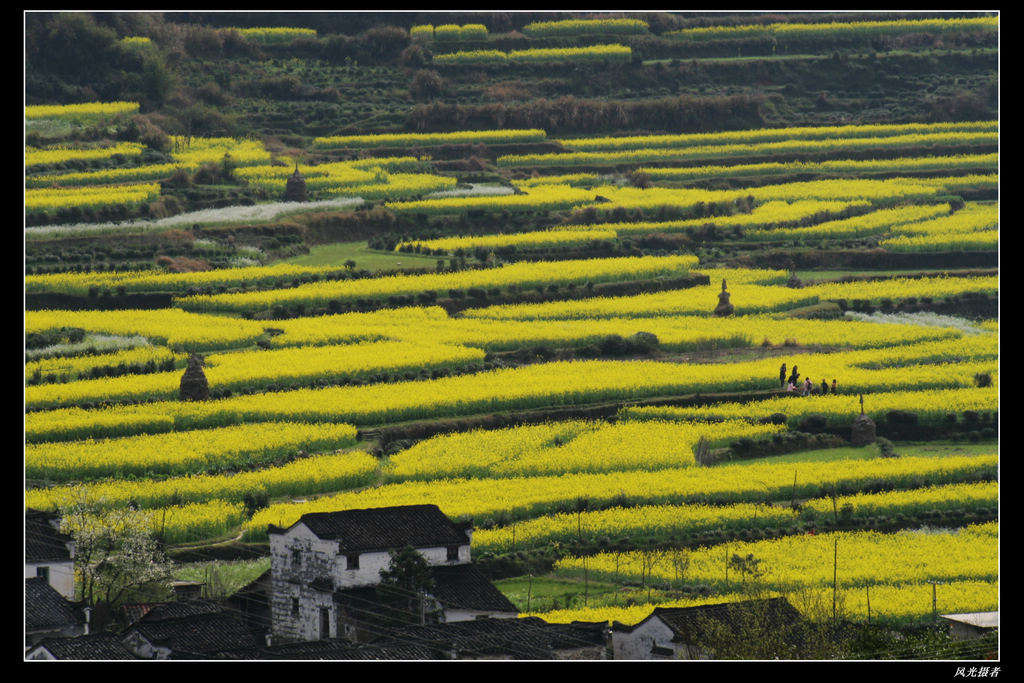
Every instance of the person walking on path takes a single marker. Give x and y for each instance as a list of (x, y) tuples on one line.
[(824, 387), (782, 375), (808, 387), (794, 376), (834, 390)]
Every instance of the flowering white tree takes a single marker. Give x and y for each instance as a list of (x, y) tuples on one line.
[(115, 553)]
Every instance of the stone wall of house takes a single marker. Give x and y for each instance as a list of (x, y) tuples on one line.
[(296, 612), (297, 559), (305, 570)]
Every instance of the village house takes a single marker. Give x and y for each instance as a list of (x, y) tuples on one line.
[(48, 552), (50, 614), (188, 630), (96, 646), (680, 632), (528, 638), (325, 569)]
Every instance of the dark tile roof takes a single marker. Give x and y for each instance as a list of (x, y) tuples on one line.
[(463, 586), (158, 611), (163, 611), (384, 528), (343, 649), (455, 587), (46, 609), (44, 542), (105, 646), (526, 638), (202, 633), (132, 612)]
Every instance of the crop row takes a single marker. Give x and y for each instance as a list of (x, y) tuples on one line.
[(196, 451), (465, 137), (575, 27), (767, 215), (80, 284), (523, 275), (48, 199), (837, 29), (763, 135), (84, 110), (898, 165), (745, 298), (62, 369), (273, 34), (673, 521), (561, 383), (595, 53), (564, 447), (680, 320), (880, 602), (978, 241), (448, 32), (606, 199), (249, 370), (877, 222), (180, 330), (527, 497), (539, 198), (855, 559), (839, 410), (642, 155), (310, 475)]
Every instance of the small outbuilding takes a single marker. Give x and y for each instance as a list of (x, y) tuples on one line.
[(971, 625)]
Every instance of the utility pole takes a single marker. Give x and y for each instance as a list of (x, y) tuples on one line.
[(935, 609), (835, 571)]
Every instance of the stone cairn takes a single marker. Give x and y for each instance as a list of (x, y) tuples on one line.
[(863, 430), (724, 307), (295, 189), (194, 386)]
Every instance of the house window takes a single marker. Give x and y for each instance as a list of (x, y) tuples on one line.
[(453, 553), (296, 557), (325, 623), (43, 573), (295, 606), (352, 561)]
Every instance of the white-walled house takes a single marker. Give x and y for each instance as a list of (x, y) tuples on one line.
[(674, 633), (48, 552), (325, 568)]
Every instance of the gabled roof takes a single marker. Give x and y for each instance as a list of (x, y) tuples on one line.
[(105, 646), (385, 528), (197, 633), (460, 586), (46, 609), (976, 619), (463, 586), (161, 611), (526, 638), (343, 649), (689, 622), (43, 541)]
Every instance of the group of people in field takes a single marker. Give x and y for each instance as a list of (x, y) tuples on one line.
[(807, 387)]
